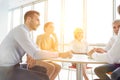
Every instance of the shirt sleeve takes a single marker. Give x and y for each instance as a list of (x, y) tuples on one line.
[(101, 57), (109, 44), (112, 56), (43, 54), (24, 40)]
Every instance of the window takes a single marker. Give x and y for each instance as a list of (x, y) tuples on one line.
[(73, 18), (99, 20), (54, 15), (117, 2), (94, 16), (16, 17), (41, 9)]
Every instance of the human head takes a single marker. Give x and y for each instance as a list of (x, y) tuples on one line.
[(31, 19), (118, 8), (116, 26), (78, 33), (49, 27)]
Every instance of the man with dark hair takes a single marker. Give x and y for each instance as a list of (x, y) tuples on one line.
[(116, 73), (105, 55), (16, 44)]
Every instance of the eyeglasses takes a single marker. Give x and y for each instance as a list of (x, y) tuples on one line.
[(114, 27)]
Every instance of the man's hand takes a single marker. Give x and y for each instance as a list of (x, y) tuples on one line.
[(99, 50), (30, 61), (91, 52)]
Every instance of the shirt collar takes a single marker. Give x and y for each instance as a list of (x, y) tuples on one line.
[(26, 28)]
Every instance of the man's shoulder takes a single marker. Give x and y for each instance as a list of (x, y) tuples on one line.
[(20, 28)]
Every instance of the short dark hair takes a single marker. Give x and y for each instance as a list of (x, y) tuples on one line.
[(30, 14), (118, 9)]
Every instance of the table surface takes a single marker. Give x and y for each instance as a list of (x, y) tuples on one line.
[(80, 60), (77, 58)]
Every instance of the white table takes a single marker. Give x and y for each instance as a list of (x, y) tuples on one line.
[(80, 60)]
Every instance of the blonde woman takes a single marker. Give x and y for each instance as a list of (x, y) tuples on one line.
[(79, 46)]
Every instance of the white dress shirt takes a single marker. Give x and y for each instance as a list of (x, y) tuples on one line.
[(111, 42), (17, 43), (112, 55)]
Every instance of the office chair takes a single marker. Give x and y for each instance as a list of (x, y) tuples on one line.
[(73, 68)]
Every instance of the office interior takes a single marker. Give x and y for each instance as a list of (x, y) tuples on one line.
[(93, 16)]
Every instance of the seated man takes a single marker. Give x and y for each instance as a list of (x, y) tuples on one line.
[(116, 73), (16, 44), (109, 54)]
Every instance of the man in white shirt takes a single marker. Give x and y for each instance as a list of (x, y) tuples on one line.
[(116, 73), (16, 44), (110, 54)]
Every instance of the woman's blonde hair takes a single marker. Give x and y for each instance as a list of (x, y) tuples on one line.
[(76, 31)]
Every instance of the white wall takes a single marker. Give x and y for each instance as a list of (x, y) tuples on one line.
[(3, 18)]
